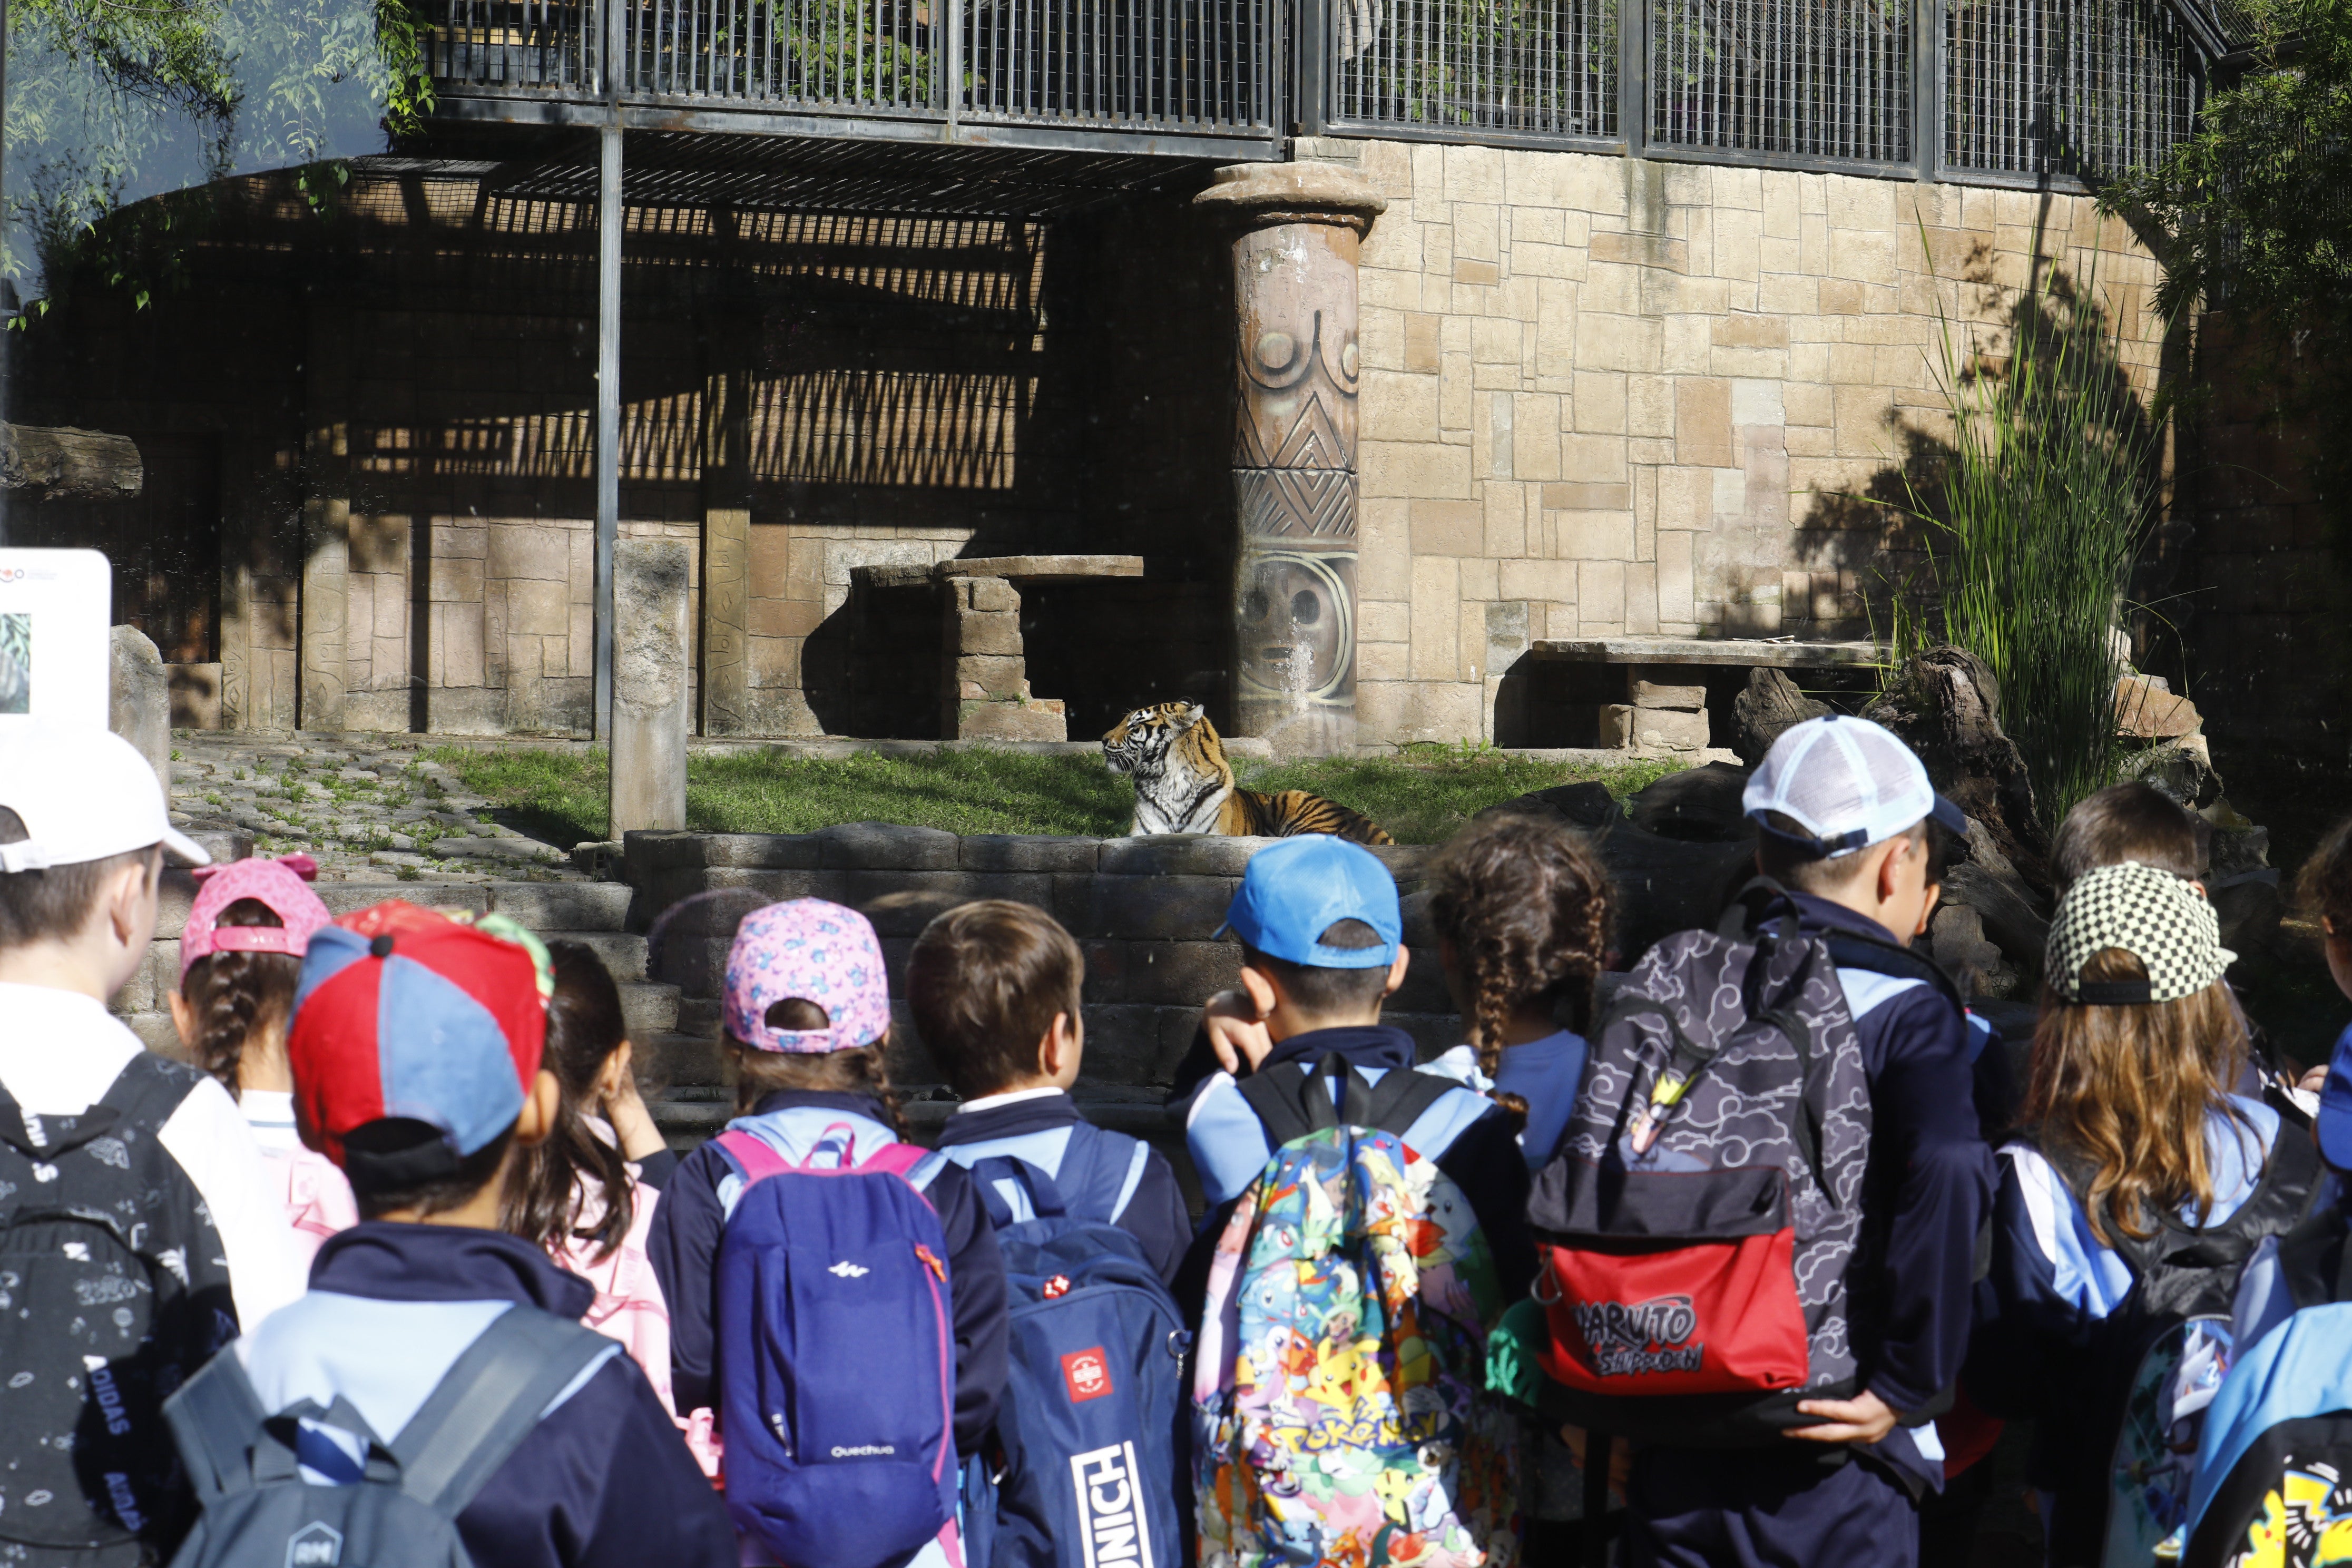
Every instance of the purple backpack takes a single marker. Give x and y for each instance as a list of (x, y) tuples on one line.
[(836, 1354)]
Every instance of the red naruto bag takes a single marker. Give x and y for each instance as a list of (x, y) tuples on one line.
[(1695, 1224)]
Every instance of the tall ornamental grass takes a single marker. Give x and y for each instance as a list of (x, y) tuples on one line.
[(2040, 512)]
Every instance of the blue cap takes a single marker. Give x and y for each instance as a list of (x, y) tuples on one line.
[(2335, 1106), (1296, 889)]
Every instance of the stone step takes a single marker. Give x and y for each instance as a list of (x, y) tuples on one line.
[(648, 1008), (624, 953)]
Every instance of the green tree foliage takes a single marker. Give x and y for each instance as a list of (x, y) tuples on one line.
[(112, 102), (2254, 209)]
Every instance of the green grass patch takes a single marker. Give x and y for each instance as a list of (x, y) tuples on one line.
[(560, 795), (1423, 802)]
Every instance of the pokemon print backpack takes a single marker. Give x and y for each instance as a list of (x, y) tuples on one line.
[(1338, 1410)]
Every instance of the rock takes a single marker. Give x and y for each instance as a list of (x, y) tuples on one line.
[(1946, 707), (1956, 938), (139, 700), (1771, 705), (1681, 698), (1623, 725), (2184, 773), (2146, 711), (1589, 805), (2236, 851), (2248, 907), (1697, 806), (2010, 914), (1666, 885)]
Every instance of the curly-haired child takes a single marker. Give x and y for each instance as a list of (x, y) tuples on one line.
[(1521, 907), (240, 957)]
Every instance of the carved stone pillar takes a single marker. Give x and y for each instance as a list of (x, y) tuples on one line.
[(1296, 228), (726, 554), (326, 524)]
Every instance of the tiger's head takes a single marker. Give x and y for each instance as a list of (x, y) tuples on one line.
[(1144, 744)]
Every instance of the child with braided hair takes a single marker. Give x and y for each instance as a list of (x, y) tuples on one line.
[(240, 957), (1521, 907)]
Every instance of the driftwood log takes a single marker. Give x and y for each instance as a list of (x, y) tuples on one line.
[(61, 461), (1947, 706)]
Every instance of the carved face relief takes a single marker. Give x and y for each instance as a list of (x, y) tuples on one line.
[(1294, 622)]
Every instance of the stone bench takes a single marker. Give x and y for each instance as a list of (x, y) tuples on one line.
[(1664, 699), (983, 671)]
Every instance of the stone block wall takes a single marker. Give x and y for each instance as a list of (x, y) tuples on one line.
[(1142, 909), (1606, 396)]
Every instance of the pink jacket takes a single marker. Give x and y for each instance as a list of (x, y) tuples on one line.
[(318, 1199), (629, 1305)]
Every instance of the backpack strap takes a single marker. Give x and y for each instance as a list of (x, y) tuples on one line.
[(753, 1155), (217, 1420), (1041, 1195), (489, 1401), (1401, 1096), (1100, 1171)]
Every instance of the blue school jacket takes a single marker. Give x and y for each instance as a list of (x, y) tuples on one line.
[(605, 1480), (2053, 1286), (684, 1249), (1150, 1205)]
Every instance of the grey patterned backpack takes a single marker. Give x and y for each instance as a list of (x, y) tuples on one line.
[(397, 1505), (1696, 1223), (112, 1290)]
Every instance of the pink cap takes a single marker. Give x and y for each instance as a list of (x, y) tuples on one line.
[(816, 951), (278, 884)]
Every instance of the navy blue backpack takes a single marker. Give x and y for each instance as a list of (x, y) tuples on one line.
[(837, 1363), (1089, 1431)]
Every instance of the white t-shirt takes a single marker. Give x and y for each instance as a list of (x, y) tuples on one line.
[(59, 1053)]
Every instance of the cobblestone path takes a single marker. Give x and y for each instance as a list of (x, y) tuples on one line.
[(368, 809)]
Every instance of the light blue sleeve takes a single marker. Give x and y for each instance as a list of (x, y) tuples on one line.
[(1226, 1141)]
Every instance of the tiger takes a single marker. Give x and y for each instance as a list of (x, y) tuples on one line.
[(1183, 785)]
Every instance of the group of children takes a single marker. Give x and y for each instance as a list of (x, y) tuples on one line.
[(817, 1344)]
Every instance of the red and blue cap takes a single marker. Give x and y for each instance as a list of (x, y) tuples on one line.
[(405, 1013)]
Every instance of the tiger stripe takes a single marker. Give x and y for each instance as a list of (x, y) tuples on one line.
[(1184, 784)]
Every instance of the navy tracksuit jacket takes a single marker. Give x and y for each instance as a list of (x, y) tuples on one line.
[(1151, 1205), (1925, 1194), (603, 1482)]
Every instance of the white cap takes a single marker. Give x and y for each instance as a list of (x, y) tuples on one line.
[(1848, 783), (83, 793)]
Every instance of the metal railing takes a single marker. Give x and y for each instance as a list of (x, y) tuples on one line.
[(1809, 79), (2071, 86), (1201, 66), (2000, 91), (1541, 67)]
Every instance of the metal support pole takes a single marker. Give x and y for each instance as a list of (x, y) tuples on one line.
[(608, 412)]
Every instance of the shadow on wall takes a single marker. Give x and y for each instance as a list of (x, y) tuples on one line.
[(1853, 555)]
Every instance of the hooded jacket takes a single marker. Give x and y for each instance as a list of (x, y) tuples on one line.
[(603, 1482)]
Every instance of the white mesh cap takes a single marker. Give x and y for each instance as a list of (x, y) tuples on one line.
[(1848, 783)]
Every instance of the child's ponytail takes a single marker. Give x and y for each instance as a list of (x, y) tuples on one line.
[(1525, 904), (231, 996)]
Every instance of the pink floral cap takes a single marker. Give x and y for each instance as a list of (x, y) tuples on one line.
[(281, 885), (816, 951)]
